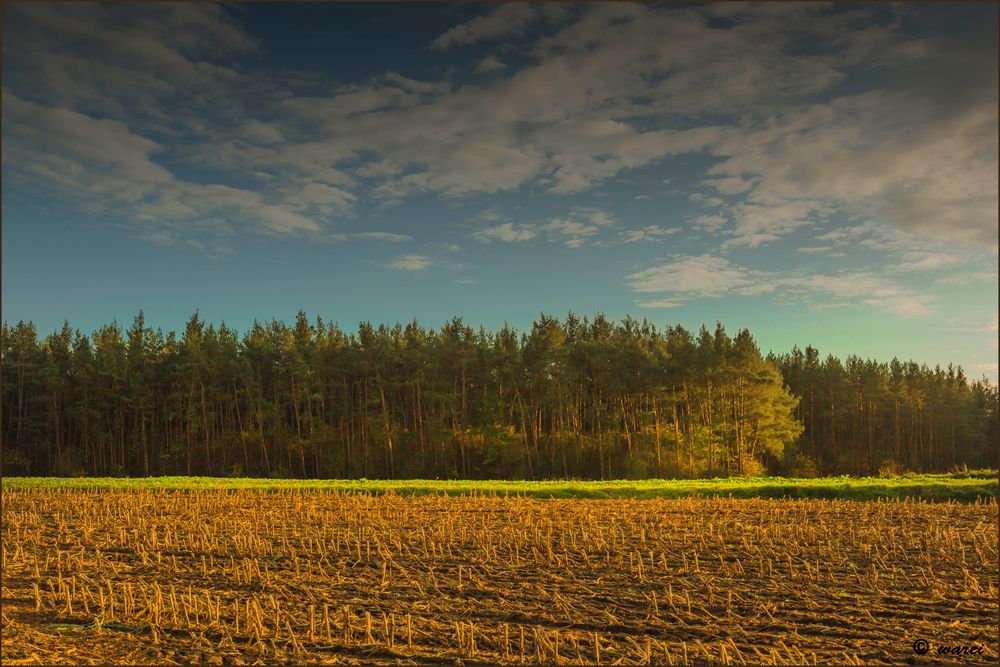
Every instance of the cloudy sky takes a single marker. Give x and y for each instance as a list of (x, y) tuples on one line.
[(821, 174)]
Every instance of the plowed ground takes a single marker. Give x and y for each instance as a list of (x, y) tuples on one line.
[(251, 577)]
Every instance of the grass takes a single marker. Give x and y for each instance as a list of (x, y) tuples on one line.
[(962, 487)]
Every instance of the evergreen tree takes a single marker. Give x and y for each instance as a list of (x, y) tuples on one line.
[(582, 397)]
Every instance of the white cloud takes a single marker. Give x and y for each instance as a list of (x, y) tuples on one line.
[(581, 225), (610, 147), (876, 154), (903, 304), (491, 64), (604, 89), (503, 21), (573, 234), (757, 224), (710, 202), (491, 215), (414, 86), (974, 326), (706, 276), (859, 287), (326, 197), (67, 148), (967, 278), (507, 232), (730, 185), (352, 101), (279, 220), (907, 251), (384, 236), (411, 263), (648, 233), (920, 260), (380, 169), (659, 303), (265, 134), (710, 222), (595, 216), (105, 81)]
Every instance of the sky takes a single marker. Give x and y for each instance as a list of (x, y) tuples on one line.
[(821, 174)]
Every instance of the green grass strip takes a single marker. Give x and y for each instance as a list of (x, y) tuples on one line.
[(962, 487)]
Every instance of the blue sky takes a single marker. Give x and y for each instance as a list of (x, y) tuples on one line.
[(820, 174)]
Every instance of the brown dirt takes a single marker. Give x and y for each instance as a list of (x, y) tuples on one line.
[(246, 577)]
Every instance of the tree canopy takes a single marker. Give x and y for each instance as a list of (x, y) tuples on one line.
[(573, 398)]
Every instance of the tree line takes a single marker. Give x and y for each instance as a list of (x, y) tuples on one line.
[(573, 398)]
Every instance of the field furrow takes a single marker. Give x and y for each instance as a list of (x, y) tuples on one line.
[(248, 577)]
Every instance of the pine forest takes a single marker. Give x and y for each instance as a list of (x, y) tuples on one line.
[(574, 398)]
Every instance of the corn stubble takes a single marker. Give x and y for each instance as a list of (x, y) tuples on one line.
[(251, 577)]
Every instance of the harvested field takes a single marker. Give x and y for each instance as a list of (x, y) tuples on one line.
[(292, 576)]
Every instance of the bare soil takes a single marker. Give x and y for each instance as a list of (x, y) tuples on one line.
[(282, 577)]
